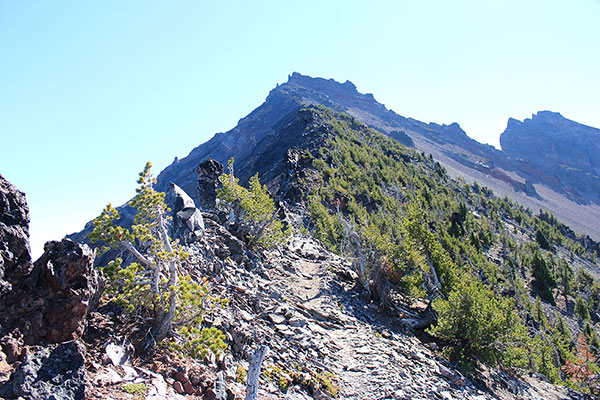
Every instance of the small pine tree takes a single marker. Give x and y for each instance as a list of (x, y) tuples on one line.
[(538, 312), (478, 325), (542, 275), (151, 285), (541, 239), (567, 279), (581, 308), (253, 208)]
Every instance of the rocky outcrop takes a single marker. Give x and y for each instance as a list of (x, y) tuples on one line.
[(51, 304), (208, 180), (46, 301), (15, 253), (561, 148)]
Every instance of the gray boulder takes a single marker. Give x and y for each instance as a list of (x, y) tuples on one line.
[(55, 372), (188, 223)]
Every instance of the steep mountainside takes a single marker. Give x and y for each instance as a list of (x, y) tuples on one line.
[(532, 184), (562, 149), (325, 337)]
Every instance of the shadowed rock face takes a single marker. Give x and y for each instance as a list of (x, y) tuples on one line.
[(47, 301), (561, 148), (208, 180), (15, 254)]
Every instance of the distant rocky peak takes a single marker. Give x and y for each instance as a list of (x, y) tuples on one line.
[(566, 151), (328, 92), (550, 123), (547, 116), (320, 83)]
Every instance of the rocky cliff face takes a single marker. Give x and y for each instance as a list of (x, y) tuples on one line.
[(561, 148)]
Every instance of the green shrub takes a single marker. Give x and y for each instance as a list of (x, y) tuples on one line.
[(197, 342), (478, 325), (254, 208)]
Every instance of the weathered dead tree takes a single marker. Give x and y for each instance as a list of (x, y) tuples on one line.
[(359, 262), (254, 372)]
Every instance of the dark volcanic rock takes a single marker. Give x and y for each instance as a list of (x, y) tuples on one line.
[(52, 303), (15, 253), (402, 138), (561, 148), (54, 373), (207, 183)]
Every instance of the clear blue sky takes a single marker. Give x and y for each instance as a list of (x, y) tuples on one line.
[(91, 90)]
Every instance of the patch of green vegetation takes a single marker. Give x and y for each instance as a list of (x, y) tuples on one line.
[(134, 388), (197, 342), (284, 377), (327, 382), (276, 374), (241, 374)]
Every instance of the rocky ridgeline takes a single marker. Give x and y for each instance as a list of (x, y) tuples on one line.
[(325, 336), (548, 162)]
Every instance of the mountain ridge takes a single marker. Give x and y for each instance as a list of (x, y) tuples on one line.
[(530, 184)]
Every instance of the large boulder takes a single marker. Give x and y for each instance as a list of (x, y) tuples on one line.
[(15, 253), (55, 372), (188, 224)]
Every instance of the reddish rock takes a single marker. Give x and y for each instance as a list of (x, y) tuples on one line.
[(52, 303), (210, 395), (178, 387), (181, 377), (189, 389)]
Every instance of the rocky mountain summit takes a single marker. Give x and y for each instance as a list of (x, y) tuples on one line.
[(561, 148)]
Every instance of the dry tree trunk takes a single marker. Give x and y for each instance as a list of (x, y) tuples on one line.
[(254, 372), (164, 319), (360, 261)]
